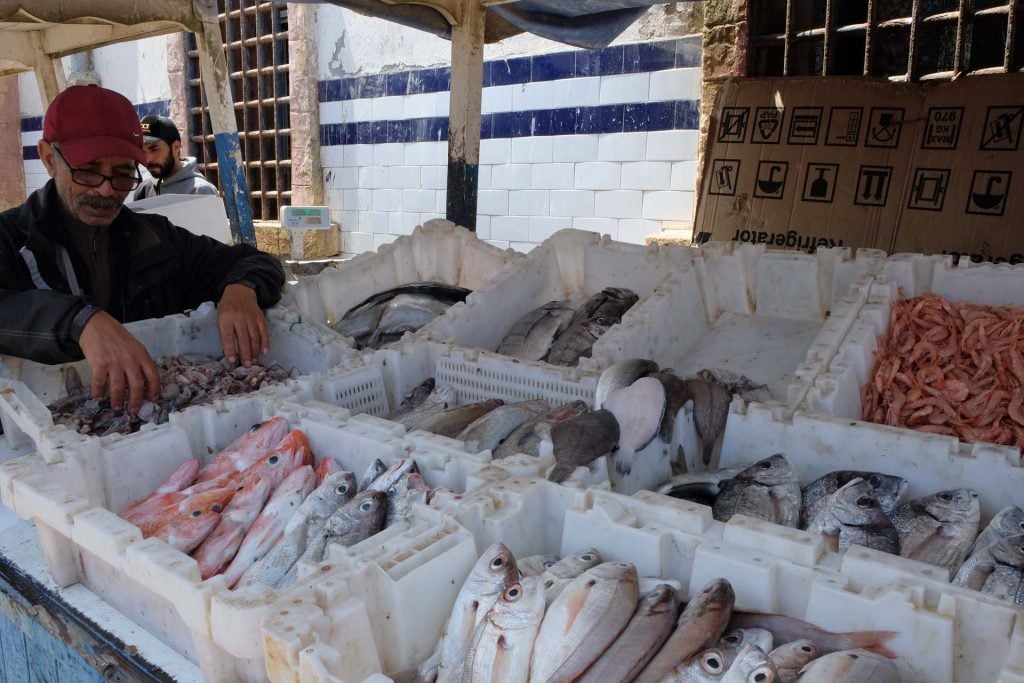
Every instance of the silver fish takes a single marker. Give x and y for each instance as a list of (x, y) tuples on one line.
[(504, 640), (491, 576), (595, 317), (527, 437), (710, 412), (375, 470), (979, 567), (402, 495), (489, 430), (646, 632), (357, 520), (717, 665), (405, 313), (380, 317), (414, 398), (583, 621), (535, 565), (638, 409), (789, 629), (532, 335), (888, 491), (767, 490), (854, 515), (580, 440), (850, 666), (698, 487), (790, 658), (732, 642), (1008, 522), (452, 421), (559, 575), (440, 399), (939, 529), (620, 375), (699, 627), (393, 475)]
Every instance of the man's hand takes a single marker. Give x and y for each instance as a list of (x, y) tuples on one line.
[(243, 327), (120, 360)]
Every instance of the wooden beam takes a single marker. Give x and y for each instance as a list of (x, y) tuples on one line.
[(46, 73), (467, 81)]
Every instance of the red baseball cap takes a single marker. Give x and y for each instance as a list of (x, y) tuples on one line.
[(90, 122)]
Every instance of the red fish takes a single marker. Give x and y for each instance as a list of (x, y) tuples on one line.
[(220, 546), (179, 479), (292, 452), (327, 467), (181, 506), (246, 450)]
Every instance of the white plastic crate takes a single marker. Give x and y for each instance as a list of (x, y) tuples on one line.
[(836, 391), (74, 501), (437, 251), (26, 388), (367, 619)]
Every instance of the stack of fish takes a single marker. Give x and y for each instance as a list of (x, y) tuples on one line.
[(186, 380), (580, 618), (562, 332), (867, 508), (384, 317), (259, 506)]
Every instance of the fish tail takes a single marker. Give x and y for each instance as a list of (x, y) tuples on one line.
[(872, 641), (560, 473), (623, 463), (709, 448)]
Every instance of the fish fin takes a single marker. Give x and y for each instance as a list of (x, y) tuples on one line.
[(560, 473), (708, 448), (623, 462)]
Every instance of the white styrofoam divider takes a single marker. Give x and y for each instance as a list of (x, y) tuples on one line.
[(27, 388), (355, 625), (437, 251), (836, 390)]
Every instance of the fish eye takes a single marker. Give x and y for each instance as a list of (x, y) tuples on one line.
[(342, 489), (548, 584), (1021, 549), (217, 507), (711, 662), (587, 558), (255, 427), (623, 565), (498, 562), (806, 648), (196, 513), (762, 675), (765, 464), (874, 481), (865, 502), (274, 459), (1020, 526), (946, 496), (733, 638), (366, 506), (514, 592)]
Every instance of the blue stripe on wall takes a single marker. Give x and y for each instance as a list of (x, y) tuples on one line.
[(612, 118), (29, 152), (617, 59), (32, 124)]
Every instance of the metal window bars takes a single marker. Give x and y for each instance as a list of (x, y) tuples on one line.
[(901, 40), (255, 34)]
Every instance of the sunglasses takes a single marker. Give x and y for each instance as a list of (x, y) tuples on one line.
[(88, 178)]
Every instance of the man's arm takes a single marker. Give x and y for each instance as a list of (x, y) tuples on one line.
[(42, 325)]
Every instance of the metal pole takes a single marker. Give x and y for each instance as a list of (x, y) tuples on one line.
[(464, 115), (213, 68)]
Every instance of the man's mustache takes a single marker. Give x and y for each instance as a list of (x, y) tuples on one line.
[(97, 202)]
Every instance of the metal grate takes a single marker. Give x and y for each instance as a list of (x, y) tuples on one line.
[(255, 37), (902, 40)]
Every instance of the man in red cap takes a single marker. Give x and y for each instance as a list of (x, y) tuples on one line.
[(75, 264)]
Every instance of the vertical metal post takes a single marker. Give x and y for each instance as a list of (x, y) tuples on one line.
[(827, 51), (915, 29), (464, 115), (961, 36), (213, 67), (787, 40), (869, 34)]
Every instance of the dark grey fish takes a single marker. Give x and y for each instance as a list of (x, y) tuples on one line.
[(378, 319), (527, 437), (710, 411), (1008, 522), (938, 529), (854, 515), (620, 375), (734, 382), (887, 489), (440, 399), (532, 335), (698, 487), (404, 313), (595, 317), (402, 495), (767, 490), (414, 398), (374, 471), (452, 421), (393, 475), (490, 430), (676, 396), (355, 521), (582, 439), (979, 567)]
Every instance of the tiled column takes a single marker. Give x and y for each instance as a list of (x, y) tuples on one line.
[(304, 109)]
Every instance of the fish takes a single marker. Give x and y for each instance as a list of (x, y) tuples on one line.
[(404, 313), (503, 642), (535, 565), (978, 568), (647, 630), (767, 490), (559, 575), (440, 399), (621, 375), (267, 529), (583, 621), (854, 515), (699, 627), (218, 549), (733, 382), (732, 642), (179, 479), (710, 412), (850, 666), (352, 523), (698, 487), (581, 440), (393, 475), (375, 470), (750, 664), (168, 507), (888, 491), (939, 529), (392, 312), (594, 318), (489, 430), (402, 495), (638, 409), (185, 532), (1008, 522), (526, 438), (532, 335), (676, 396), (327, 466), (246, 450), (452, 421), (790, 658), (414, 398), (494, 572), (788, 629)]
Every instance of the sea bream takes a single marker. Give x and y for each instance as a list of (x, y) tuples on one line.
[(561, 574), (749, 665), (386, 316), (503, 642), (789, 629), (413, 399), (580, 440), (354, 522), (854, 515), (527, 437), (536, 565), (440, 399), (850, 666), (887, 490), (710, 412), (996, 568), (532, 335), (766, 490), (489, 430), (939, 529), (621, 375), (595, 317), (1008, 522), (790, 658), (452, 421)]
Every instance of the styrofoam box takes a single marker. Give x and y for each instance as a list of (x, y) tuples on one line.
[(437, 251), (383, 608), (836, 391), (26, 388), (74, 501)]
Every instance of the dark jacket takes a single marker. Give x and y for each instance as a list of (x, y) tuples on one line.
[(156, 269)]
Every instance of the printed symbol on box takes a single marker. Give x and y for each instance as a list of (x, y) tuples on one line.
[(884, 126), (804, 126), (734, 124), (724, 173), (844, 126), (928, 191), (820, 183), (873, 185), (771, 179), (988, 193), (767, 128), (1002, 128), (942, 131)]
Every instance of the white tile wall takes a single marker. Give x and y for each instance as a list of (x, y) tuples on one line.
[(492, 202), (354, 242), (584, 92), (618, 204), (510, 228), (597, 175), (684, 176), (636, 229), (419, 106), (496, 98), (528, 202), (422, 153), (672, 145), (391, 108), (572, 203), (380, 239), (533, 150), (373, 177), (675, 84), (603, 226), (357, 200), (434, 177), (512, 177), (543, 227), (374, 221), (552, 176), (389, 155), (496, 151), (483, 227), (622, 147), (400, 223), (522, 246), (574, 147), (625, 88), (405, 177), (646, 175), (420, 201), (387, 199), (668, 206)]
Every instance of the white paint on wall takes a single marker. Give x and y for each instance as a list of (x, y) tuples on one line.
[(28, 92), (137, 69)]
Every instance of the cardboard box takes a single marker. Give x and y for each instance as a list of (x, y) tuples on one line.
[(807, 162)]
